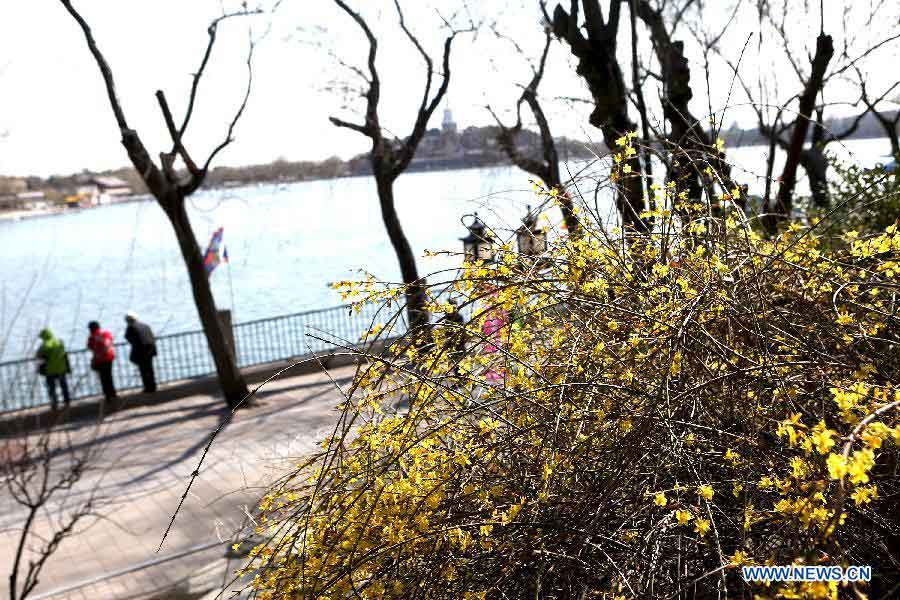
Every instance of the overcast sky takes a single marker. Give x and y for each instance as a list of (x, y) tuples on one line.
[(54, 110)]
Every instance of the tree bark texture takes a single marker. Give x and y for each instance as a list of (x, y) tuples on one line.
[(807, 104), (230, 378), (415, 286), (599, 67), (692, 146)]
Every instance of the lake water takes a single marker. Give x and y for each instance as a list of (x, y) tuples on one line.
[(285, 243)]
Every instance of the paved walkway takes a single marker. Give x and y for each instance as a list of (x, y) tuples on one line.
[(147, 457)]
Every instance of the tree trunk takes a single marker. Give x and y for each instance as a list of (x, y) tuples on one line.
[(813, 161), (784, 201), (417, 313), (599, 66), (895, 141), (630, 199), (691, 145), (551, 156), (689, 142), (234, 388)]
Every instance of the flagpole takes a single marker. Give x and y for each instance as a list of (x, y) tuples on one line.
[(231, 288)]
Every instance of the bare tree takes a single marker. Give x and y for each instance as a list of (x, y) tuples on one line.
[(639, 76), (691, 144), (890, 124), (547, 169), (800, 128), (808, 123), (391, 157), (171, 189), (599, 66), (39, 472)]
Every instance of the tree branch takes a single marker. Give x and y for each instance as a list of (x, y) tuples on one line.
[(101, 63), (593, 19), (373, 94), (408, 149), (176, 137), (429, 65), (612, 26), (195, 83), (565, 26), (137, 152), (824, 52), (197, 181), (341, 123)]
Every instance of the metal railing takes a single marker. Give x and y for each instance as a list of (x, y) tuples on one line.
[(186, 355)]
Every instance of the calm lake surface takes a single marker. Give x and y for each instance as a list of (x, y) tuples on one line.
[(285, 243)]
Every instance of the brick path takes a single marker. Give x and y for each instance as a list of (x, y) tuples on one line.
[(147, 457)]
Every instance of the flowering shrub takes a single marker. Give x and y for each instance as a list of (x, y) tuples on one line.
[(864, 199), (650, 413)]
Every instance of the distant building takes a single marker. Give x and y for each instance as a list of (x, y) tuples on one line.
[(99, 189), (112, 186), (448, 124), (16, 195), (23, 201), (8, 202), (10, 186), (107, 188)]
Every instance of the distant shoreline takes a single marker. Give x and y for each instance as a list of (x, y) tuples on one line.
[(424, 165), (20, 215)]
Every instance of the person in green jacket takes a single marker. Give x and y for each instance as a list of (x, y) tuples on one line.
[(54, 365)]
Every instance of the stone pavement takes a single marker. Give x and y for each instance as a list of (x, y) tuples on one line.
[(147, 456)]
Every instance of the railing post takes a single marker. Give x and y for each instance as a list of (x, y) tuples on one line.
[(225, 320)]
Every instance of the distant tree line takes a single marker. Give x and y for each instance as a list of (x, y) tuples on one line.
[(869, 127), (480, 139)]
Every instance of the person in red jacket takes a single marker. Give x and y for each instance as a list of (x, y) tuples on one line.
[(100, 343)]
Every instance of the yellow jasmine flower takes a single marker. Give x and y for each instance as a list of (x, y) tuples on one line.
[(837, 466), (683, 516), (701, 526)]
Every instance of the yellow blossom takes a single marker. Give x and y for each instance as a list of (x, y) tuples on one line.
[(822, 438), (701, 526), (683, 516), (861, 463), (864, 495), (837, 466)]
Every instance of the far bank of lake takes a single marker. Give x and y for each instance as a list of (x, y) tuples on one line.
[(286, 244)]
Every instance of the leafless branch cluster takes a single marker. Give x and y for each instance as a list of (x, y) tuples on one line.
[(39, 471)]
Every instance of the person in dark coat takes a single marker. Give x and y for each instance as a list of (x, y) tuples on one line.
[(143, 349)]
